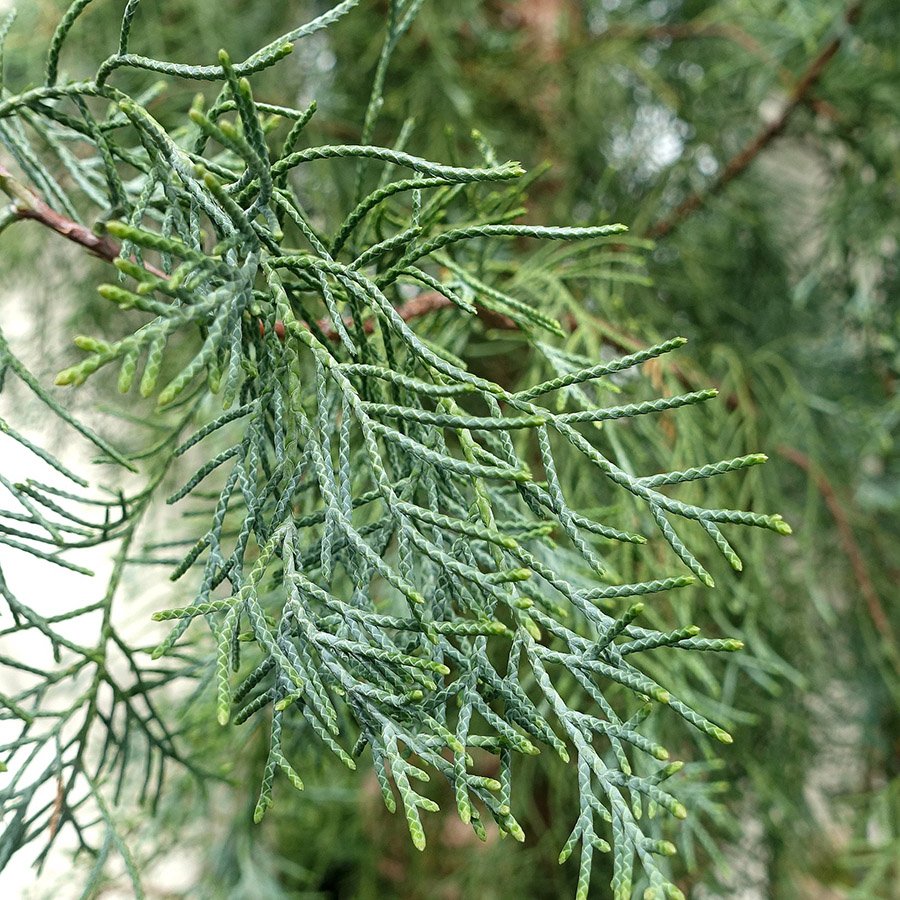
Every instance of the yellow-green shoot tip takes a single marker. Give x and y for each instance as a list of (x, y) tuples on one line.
[(721, 735), (781, 526)]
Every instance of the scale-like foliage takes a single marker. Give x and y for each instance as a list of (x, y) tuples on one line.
[(389, 565)]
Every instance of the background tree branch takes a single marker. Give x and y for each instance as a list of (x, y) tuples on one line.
[(799, 95)]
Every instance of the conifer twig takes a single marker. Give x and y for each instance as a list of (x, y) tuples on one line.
[(28, 205), (421, 627)]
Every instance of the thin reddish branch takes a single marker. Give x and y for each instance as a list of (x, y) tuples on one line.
[(799, 96), (847, 539), (412, 309), (419, 306), (28, 205), (422, 305)]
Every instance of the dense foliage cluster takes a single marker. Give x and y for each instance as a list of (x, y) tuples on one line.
[(424, 553)]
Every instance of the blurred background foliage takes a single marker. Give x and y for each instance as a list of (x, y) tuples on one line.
[(754, 149)]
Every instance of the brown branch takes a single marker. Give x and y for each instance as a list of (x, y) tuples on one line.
[(847, 539), (541, 20), (422, 305), (28, 205), (412, 309), (799, 96)]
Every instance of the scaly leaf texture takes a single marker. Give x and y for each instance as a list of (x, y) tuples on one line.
[(380, 563)]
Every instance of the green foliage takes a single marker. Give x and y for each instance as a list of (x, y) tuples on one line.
[(354, 334), (785, 281), (390, 562)]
